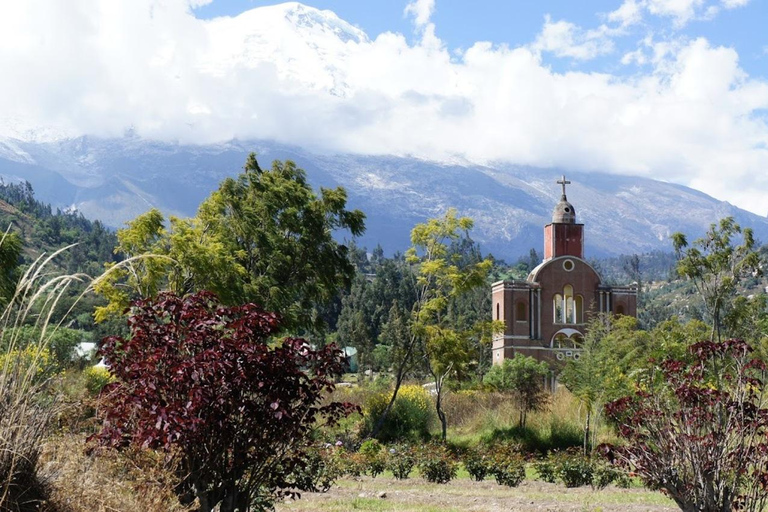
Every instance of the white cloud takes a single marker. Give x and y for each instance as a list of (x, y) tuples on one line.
[(565, 39), (422, 11), (311, 79), (680, 11), (733, 4), (629, 13)]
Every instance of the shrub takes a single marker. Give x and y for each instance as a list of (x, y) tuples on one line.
[(507, 465), (436, 465), (318, 469), (563, 435), (401, 461), (546, 469), (477, 464), (351, 463), (701, 419), (374, 460), (605, 474), (95, 378), (409, 418), (574, 469), (370, 448), (219, 389)]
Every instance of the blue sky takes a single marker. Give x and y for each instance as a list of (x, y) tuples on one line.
[(675, 90)]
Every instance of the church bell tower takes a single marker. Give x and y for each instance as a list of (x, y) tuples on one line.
[(563, 237)]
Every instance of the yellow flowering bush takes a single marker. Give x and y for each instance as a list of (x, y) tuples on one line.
[(96, 377), (31, 357), (410, 417)]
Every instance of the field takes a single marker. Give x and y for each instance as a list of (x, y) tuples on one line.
[(463, 494)]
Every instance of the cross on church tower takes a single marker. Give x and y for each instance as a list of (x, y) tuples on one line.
[(563, 182)]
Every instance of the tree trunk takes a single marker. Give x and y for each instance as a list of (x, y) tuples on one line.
[(439, 407), (401, 369), (586, 431)]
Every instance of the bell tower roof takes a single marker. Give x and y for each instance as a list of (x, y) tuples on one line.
[(564, 212)]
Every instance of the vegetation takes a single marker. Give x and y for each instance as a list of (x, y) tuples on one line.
[(236, 411), (523, 377), (697, 429), (716, 266), (211, 407), (264, 237)]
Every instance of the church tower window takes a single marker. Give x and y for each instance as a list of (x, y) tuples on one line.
[(521, 315)]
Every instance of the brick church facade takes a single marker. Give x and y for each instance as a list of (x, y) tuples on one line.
[(545, 316)]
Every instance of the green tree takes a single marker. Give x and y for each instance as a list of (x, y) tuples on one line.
[(716, 266), (612, 354), (441, 277), (522, 376), (264, 237), (10, 255)]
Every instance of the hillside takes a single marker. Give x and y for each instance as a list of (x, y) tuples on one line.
[(114, 180)]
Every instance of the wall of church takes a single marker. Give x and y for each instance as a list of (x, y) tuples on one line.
[(563, 240), (553, 278)]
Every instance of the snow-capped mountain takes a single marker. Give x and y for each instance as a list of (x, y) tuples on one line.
[(303, 44), (116, 179), (305, 53)]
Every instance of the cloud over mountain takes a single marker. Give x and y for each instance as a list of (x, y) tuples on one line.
[(303, 76)]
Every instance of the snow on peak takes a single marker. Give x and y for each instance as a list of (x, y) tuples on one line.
[(303, 45)]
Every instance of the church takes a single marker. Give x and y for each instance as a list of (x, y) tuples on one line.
[(545, 316)]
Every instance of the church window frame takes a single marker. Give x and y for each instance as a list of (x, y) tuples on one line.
[(521, 311), (568, 265), (557, 308)]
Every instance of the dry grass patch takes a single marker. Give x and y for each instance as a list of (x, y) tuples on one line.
[(130, 481)]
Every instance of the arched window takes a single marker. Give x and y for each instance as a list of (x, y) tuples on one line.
[(521, 315), (620, 309), (570, 310), (497, 312), (574, 340), (557, 307), (579, 301)]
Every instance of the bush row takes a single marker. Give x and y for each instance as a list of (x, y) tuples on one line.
[(436, 463)]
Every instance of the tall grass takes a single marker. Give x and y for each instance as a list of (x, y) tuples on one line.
[(26, 408), (486, 418)]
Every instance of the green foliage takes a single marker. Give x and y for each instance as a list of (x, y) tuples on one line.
[(605, 474), (401, 461), (574, 469), (507, 465), (370, 448), (477, 463), (546, 469), (409, 418), (716, 266), (375, 461), (559, 436), (436, 464), (522, 376), (264, 237), (10, 257), (59, 342), (442, 277)]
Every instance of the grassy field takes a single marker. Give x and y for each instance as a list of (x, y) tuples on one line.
[(462, 494)]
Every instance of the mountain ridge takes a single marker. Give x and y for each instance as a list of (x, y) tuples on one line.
[(114, 180)]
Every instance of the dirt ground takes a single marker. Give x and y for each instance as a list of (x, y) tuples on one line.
[(463, 494)]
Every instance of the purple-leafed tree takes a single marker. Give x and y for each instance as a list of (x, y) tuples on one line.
[(697, 429), (206, 384)]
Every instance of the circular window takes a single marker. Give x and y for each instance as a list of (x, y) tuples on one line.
[(567, 210), (568, 265)]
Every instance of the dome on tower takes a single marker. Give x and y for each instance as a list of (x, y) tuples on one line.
[(564, 212)]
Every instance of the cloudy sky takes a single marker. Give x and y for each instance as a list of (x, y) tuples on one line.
[(669, 89)]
